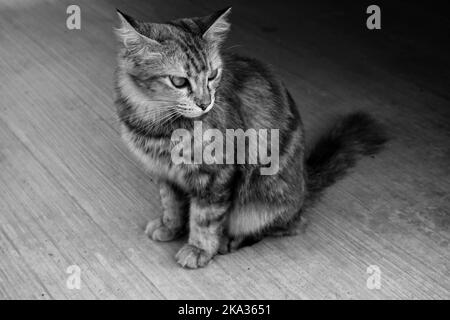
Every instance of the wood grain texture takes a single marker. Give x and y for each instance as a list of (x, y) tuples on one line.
[(71, 194)]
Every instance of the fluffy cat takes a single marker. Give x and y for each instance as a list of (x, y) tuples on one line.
[(170, 75)]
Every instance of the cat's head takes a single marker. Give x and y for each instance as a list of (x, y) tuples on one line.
[(171, 69)]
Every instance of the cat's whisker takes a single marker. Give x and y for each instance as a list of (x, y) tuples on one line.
[(148, 113), (170, 114), (172, 101)]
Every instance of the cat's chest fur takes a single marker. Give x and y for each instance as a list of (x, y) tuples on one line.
[(155, 155)]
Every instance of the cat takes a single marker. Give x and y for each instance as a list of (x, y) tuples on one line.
[(170, 75)]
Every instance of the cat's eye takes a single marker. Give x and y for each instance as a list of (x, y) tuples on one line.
[(213, 74), (179, 82)]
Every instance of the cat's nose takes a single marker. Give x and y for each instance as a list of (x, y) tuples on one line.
[(203, 106), (204, 102)]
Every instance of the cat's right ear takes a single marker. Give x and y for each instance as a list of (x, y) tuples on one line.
[(129, 35), (216, 26)]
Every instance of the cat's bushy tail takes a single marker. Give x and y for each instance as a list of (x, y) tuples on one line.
[(356, 135)]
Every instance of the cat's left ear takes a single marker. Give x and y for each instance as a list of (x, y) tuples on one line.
[(215, 27), (130, 36)]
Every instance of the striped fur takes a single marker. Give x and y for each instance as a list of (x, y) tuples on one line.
[(229, 205)]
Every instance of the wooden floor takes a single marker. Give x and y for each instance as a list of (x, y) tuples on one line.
[(71, 194)]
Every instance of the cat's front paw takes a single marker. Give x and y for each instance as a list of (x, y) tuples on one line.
[(158, 231), (191, 257)]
